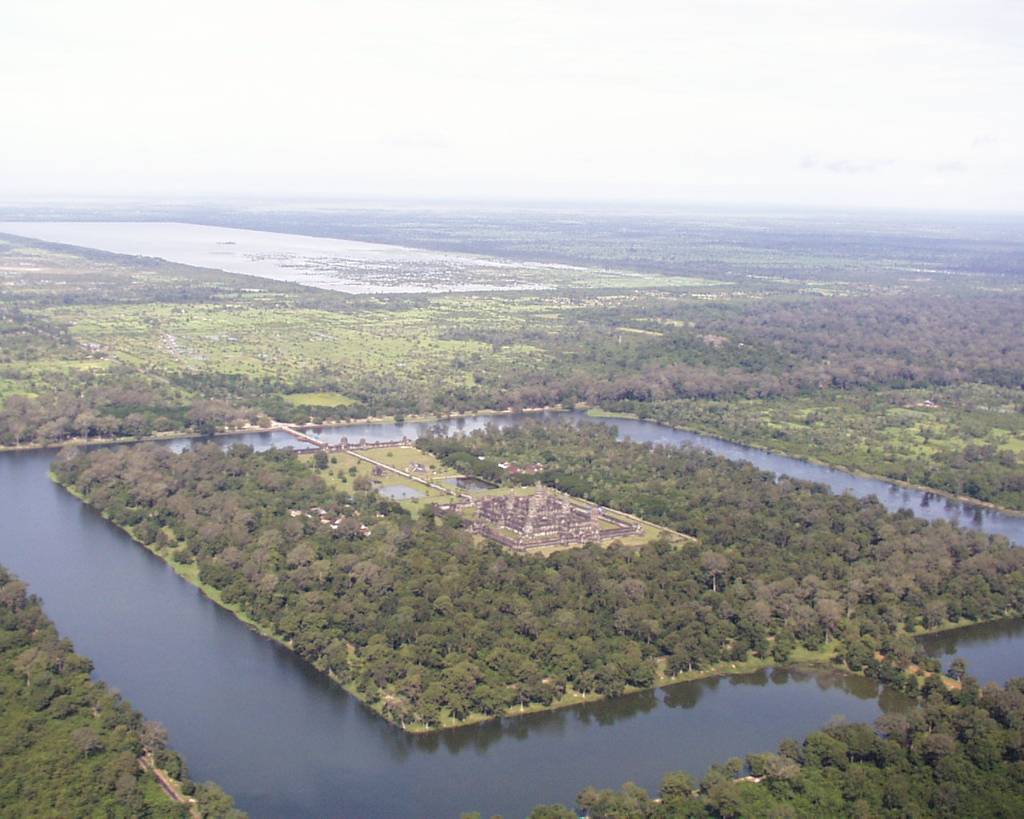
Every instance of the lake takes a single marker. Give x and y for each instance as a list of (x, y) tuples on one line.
[(992, 650), (330, 264)]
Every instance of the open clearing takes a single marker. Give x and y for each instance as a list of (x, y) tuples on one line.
[(318, 399), (411, 491)]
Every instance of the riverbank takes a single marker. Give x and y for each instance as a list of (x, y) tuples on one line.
[(170, 786), (592, 412), (597, 412), (424, 419), (276, 426), (802, 659), (139, 439)]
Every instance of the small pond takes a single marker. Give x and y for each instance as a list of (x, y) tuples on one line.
[(398, 491)]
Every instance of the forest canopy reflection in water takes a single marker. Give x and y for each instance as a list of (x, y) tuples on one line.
[(992, 650), (684, 695)]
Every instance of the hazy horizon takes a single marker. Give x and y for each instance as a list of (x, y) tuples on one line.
[(791, 105), (180, 207)]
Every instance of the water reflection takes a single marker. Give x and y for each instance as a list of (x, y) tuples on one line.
[(992, 650), (257, 440), (469, 484), (892, 496), (397, 491)]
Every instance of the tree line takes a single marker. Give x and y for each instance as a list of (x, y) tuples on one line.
[(114, 406), (955, 448), (957, 754), (70, 746)]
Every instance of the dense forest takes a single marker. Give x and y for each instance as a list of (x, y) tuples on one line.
[(960, 753), (431, 626), (69, 746), (114, 408), (653, 349)]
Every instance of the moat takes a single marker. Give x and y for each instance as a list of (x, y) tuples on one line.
[(287, 742)]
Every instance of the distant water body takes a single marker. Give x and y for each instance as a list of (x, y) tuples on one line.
[(330, 264)]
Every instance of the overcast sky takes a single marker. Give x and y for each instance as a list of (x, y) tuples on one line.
[(873, 102)]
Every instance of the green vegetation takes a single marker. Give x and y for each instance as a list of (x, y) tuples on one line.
[(777, 532), (877, 347), (958, 754), (416, 467), (965, 440), (348, 473), (318, 399), (915, 378), (432, 627), (70, 746)]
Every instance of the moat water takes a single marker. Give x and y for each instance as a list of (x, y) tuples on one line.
[(285, 741), (468, 484)]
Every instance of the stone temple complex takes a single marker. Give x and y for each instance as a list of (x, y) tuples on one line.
[(545, 518)]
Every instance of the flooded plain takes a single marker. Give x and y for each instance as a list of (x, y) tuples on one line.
[(329, 264)]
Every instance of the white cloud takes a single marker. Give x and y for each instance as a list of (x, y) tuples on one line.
[(830, 103)]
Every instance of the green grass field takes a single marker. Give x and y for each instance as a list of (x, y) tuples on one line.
[(318, 399), (343, 469)]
